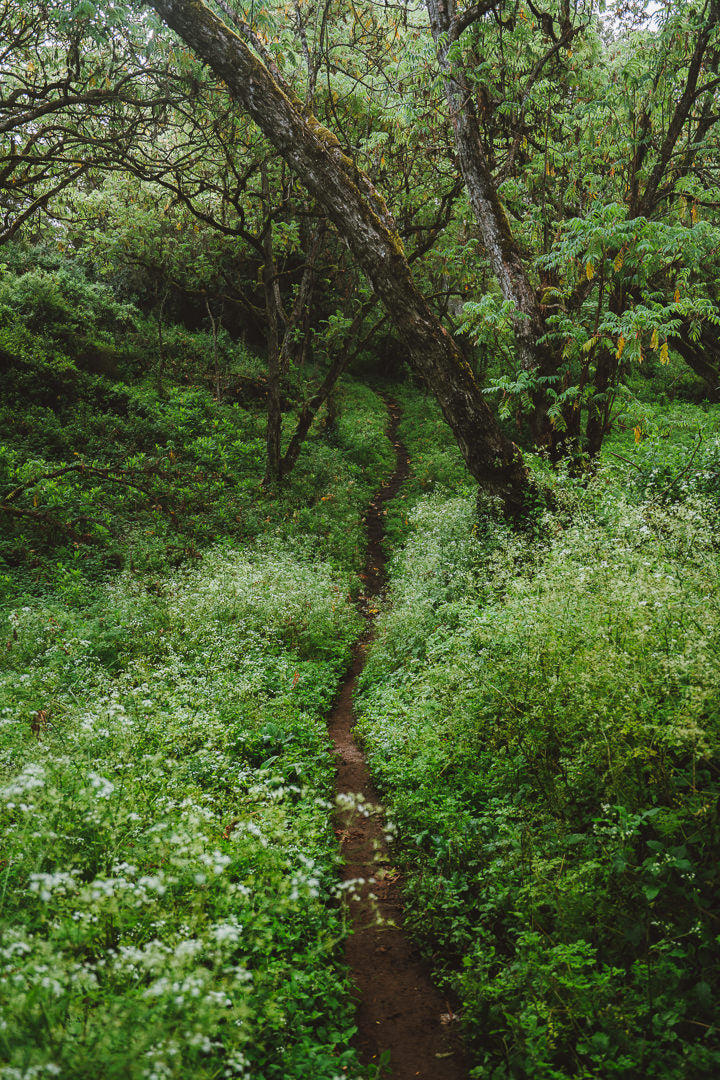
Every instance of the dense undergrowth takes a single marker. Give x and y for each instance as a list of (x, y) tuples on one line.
[(540, 708), (168, 865), (172, 637), (541, 711), (102, 471)]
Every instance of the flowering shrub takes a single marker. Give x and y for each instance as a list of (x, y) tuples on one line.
[(542, 714), (169, 884)]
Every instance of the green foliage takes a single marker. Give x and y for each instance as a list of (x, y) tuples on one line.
[(172, 636), (658, 261), (169, 881), (63, 302), (435, 460), (673, 451), (106, 472), (542, 716), (166, 775), (327, 492)]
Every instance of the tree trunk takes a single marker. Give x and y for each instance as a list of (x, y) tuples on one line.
[(309, 412), (310, 409), (300, 314), (160, 365), (216, 355), (703, 356), (598, 416), (361, 217), (500, 246), (272, 337)]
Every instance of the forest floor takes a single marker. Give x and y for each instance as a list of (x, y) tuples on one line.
[(404, 1023), (537, 709)]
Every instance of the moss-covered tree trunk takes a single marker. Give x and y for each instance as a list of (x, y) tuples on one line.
[(361, 217), (500, 245)]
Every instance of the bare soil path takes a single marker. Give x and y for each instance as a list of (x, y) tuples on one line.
[(400, 1013)]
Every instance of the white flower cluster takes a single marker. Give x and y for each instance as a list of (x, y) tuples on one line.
[(102, 787), (47, 885), (31, 778)]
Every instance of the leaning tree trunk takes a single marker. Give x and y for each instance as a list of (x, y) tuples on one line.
[(361, 217), (500, 246)]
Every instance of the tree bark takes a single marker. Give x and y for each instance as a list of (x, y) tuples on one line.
[(502, 251), (702, 356), (272, 337), (361, 217), (598, 414), (310, 410)]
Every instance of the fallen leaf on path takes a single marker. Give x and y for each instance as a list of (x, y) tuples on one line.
[(229, 828), (346, 835)]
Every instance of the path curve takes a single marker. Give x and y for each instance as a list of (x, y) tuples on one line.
[(399, 1010)]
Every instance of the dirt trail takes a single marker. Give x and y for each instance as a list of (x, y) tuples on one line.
[(399, 1011)]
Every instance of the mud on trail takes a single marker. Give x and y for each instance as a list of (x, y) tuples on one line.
[(400, 1013)]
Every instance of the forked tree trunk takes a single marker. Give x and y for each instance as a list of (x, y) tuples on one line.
[(361, 217)]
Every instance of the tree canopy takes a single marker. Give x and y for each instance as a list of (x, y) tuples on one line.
[(527, 189)]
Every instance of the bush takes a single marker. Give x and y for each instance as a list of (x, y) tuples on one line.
[(170, 881), (543, 718)]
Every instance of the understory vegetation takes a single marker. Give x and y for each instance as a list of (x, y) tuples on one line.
[(172, 636), (169, 866), (541, 711), (231, 236)]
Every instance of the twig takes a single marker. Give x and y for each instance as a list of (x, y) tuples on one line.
[(91, 470), (625, 459), (43, 518)]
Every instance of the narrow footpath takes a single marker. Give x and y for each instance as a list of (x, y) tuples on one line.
[(403, 1021)]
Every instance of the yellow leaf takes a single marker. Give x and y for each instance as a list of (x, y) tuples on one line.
[(589, 271), (654, 340), (619, 260), (621, 346), (677, 295), (664, 353), (693, 212), (638, 434)]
